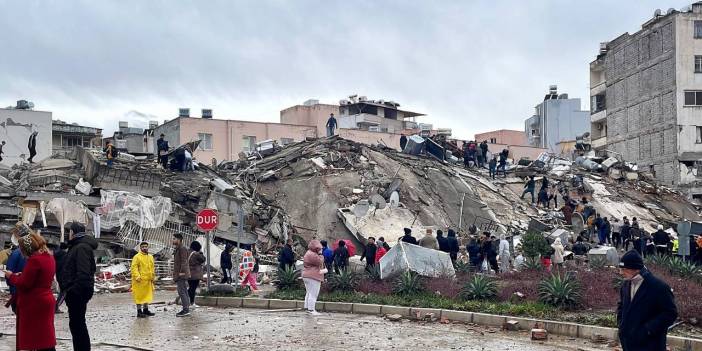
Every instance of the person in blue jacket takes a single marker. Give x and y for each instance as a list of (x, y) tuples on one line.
[(328, 255), (15, 263)]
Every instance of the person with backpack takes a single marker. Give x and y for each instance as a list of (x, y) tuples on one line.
[(111, 153)]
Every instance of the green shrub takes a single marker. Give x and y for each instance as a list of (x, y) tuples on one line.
[(597, 262), (657, 260), (408, 283), (287, 279), (532, 264), (682, 268), (560, 291), (374, 273), (463, 267), (479, 287), (346, 280), (534, 245)]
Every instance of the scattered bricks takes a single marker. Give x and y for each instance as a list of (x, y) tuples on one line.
[(255, 303), (234, 302), (338, 307), (489, 319), (511, 325), (282, 304), (444, 320), (425, 313), (403, 311), (539, 334), (457, 316), (362, 308)]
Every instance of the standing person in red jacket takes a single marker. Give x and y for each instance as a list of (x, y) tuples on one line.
[(35, 301)]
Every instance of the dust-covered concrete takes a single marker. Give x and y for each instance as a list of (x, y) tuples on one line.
[(112, 320)]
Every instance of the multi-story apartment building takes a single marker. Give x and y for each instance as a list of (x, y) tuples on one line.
[(650, 109), (556, 119)]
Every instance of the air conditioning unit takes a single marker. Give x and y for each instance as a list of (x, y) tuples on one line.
[(362, 98), (183, 112), (123, 124), (206, 113), (373, 129)]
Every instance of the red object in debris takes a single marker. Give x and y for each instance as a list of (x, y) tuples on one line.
[(349, 246), (207, 219), (106, 275)]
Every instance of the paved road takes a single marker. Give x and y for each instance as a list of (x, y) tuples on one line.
[(111, 319)]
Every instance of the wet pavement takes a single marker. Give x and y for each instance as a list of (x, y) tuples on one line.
[(112, 321)]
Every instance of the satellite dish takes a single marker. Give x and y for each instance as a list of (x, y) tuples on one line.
[(361, 208), (394, 199), (670, 10), (657, 13), (378, 201)]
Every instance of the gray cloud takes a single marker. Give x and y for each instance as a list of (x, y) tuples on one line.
[(471, 65)]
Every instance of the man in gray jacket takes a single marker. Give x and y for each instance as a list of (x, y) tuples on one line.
[(181, 273)]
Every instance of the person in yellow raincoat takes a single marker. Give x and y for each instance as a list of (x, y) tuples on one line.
[(143, 277)]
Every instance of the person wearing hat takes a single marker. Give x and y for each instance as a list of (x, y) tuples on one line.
[(646, 307), (162, 146)]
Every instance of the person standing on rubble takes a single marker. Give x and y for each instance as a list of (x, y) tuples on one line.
[(331, 125), (110, 153), (162, 146), (225, 262), (2, 145), (616, 233), (78, 279), (452, 245), (492, 166), (503, 162), (286, 256), (143, 273), (341, 257), (408, 238), (529, 188), (32, 146), (181, 273), (196, 260), (484, 152), (369, 254), (35, 301), (646, 307), (403, 142), (429, 241)]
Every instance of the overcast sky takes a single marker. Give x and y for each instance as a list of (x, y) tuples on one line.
[(473, 66)]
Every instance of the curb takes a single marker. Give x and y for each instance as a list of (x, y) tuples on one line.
[(573, 330)]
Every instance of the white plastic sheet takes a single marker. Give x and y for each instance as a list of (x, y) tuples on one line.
[(118, 207), (405, 257)]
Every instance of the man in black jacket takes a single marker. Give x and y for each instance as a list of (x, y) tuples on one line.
[(341, 257), (452, 245), (369, 253), (60, 257), (225, 263), (78, 280), (162, 148), (662, 240), (408, 238), (646, 308), (443, 242), (286, 257)]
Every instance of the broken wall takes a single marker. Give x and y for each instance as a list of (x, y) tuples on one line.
[(16, 126)]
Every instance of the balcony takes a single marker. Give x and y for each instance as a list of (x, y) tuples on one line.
[(598, 116), (355, 121), (599, 142), (598, 88)]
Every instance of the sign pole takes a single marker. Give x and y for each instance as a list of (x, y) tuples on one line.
[(209, 278)]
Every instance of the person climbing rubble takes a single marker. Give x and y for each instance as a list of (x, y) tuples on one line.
[(111, 153), (529, 187), (492, 166), (331, 125)]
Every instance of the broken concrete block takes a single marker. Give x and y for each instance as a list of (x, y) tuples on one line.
[(539, 334), (393, 317), (319, 162), (511, 325)]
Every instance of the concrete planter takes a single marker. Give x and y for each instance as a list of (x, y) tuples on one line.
[(282, 304)]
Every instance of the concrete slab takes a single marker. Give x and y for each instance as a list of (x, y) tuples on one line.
[(255, 303), (275, 304), (235, 302), (363, 308), (403, 311), (489, 319), (562, 328), (588, 331), (458, 316), (338, 307)]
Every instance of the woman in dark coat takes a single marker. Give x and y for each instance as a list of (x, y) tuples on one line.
[(35, 301), (195, 261)]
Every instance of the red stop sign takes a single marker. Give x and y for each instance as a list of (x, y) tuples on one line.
[(207, 219)]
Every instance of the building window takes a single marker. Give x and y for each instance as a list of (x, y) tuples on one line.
[(533, 132), (493, 140), (698, 29), (598, 103), (205, 141), (286, 141), (248, 143), (693, 98), (699, 135), (698, 64)]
